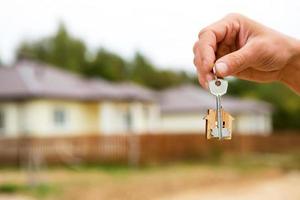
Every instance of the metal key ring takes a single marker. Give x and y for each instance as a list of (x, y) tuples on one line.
[(217, 82)]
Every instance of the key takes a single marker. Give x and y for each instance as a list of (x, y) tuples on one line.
[(218, 87), (218, 127)]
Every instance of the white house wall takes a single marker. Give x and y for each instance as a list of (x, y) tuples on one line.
[(111, 120), (153, 115), (11, 119), (183, 123), (194, 123), (135, 117), (36, 118), (253, 123), (106, 114), (139, 122)]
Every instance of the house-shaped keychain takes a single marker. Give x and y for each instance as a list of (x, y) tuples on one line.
[(212, 127)]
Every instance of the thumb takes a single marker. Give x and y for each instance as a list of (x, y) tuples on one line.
[(234, 62)]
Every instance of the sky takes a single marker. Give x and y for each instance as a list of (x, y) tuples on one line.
[(163, 30)]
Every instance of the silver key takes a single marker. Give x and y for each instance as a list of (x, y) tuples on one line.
[(218, 88)]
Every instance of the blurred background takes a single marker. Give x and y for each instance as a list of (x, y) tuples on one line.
[(100, 100)]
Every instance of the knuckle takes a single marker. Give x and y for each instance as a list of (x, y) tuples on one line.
[(258, 48), (233, 16), (238, 60), (205, 30)]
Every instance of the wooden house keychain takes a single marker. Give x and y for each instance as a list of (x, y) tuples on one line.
[(218, 122)]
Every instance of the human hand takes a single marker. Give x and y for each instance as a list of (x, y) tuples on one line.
[(243, 48)]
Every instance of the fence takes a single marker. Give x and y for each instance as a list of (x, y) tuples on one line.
[(135, 149)]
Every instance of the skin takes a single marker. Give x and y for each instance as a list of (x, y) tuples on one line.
[(238, 46)]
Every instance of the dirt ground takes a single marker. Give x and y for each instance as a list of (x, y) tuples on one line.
[(173, 182), (285, 187), (206, 185)]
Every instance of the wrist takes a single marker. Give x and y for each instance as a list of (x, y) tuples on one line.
[(291, 72)]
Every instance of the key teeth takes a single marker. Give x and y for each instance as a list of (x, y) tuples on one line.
[(225, 133)]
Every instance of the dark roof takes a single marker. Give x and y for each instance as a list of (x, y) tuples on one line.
[(35, 80), (190, 98), (133, 91), (29, 79)]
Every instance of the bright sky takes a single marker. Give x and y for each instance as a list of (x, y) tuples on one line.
[(164, 30)]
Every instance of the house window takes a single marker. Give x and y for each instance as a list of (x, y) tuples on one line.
[(2, 122), (59, 117)]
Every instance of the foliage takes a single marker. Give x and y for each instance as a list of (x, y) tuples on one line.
[(143, 72), (61, 50), (40, 190), (106, 65)]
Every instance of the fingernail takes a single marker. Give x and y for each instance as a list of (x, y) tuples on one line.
[(221, 68)]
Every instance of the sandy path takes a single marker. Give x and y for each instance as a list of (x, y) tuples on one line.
[(285, 187), (14, 197)]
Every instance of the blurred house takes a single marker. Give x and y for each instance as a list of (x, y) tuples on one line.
[(37, 99), (41, 100), (183, 109)]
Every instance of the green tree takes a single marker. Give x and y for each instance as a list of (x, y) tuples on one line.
[(61, 50), (142, 71), (107, 65)]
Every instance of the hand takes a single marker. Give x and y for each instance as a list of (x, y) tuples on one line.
[(248, 50)]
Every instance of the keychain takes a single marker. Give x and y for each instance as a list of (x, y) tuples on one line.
[(218, 122)]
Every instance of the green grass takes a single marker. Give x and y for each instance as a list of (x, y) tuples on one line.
[(248, 162), (39, 190), (286, 161)]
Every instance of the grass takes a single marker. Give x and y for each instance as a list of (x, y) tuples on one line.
[(62, 180), (287, 161), (39, 190), (284, 162)]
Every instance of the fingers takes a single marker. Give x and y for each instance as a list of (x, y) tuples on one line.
[(204, 66), (236, 46), (228, 45), (206, 46), (205, 49), (204, 78), (205, 52), (235, 62)]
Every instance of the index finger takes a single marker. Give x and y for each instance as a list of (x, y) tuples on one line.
[(207, 45)]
